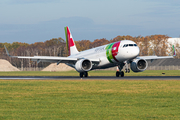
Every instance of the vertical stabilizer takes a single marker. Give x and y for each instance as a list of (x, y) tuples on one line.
[(71, 47)]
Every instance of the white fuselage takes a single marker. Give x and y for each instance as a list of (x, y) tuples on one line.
[(111, 54)]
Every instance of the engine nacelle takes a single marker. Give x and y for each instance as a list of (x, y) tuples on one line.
[(139, 65), (83, 65)]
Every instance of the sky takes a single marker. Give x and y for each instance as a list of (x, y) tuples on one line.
[(32, 21)]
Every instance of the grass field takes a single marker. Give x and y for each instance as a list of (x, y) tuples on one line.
[(89, 99), (92, 73)]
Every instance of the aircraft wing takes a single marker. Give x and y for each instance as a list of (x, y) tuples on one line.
[(52, 59), (153, 57), (157, 57)]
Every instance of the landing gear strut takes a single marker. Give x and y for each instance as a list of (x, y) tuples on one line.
[(85, 74)]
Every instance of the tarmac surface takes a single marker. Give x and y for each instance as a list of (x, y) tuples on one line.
[(89, 78)]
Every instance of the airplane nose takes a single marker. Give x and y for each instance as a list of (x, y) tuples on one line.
[(131, 53), (136, 52)]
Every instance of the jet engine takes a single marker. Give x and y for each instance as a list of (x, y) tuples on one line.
[(83, 65), (138, 65)]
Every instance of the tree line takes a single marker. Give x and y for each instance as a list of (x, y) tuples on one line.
[(149, 45)]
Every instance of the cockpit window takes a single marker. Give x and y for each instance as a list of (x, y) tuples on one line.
[(129, 45)]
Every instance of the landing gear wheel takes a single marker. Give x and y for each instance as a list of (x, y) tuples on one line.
[(117, 74), (128, 71), (81, 74), (122, 74), (85, 74)]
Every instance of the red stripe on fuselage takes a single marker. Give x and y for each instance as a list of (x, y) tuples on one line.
[(115, 49)]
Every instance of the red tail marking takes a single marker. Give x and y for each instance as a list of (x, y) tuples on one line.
[(70, 39)]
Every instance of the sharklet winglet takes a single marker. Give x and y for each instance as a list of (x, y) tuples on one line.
[(174, 51), (7, 51)]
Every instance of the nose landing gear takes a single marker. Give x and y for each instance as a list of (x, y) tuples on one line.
[(120, 67), (119, 72)]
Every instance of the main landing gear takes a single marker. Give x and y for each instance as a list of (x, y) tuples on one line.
[(83, 74), (120, 73), (127, 70)]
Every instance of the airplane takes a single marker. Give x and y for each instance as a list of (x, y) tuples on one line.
[(119, 54)]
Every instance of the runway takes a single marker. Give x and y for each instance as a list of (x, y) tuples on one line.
[(89, 78)]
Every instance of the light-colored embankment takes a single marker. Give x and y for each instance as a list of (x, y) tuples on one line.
[(6, 66), (60, 67)]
